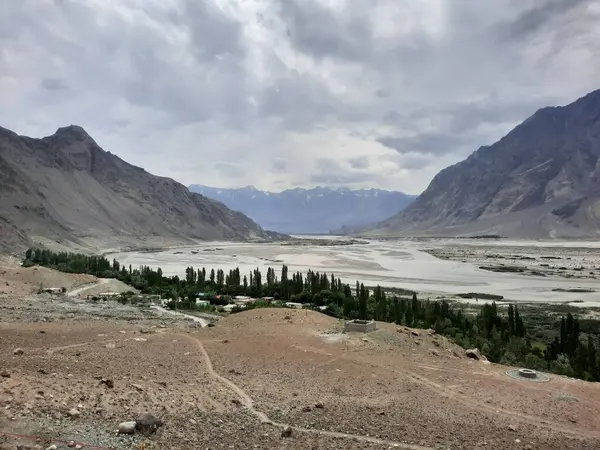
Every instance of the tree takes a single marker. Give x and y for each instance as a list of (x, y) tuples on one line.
[(362, 302)]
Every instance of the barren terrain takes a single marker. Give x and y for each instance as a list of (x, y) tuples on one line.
[(86, 368)]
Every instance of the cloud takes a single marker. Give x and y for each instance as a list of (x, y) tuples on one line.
[(285, 93)]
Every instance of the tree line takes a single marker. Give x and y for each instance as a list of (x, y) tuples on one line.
[(502, 338)]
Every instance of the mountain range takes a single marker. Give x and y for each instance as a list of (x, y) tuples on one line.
[(541, 180), (310, 211), (65, 189)]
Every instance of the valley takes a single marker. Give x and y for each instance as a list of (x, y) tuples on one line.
[(411, 264)]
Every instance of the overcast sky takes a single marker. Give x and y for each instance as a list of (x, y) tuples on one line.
[(286, 93)]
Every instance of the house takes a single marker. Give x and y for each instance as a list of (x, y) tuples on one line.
[(243, 300), (293, 305), (229, 307)]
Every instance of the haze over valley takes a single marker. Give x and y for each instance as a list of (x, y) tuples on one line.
[(310, 211)]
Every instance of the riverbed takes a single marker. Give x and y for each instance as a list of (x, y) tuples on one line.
[(400, 264)]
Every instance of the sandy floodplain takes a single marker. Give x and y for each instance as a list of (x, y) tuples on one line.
[(433, 267)]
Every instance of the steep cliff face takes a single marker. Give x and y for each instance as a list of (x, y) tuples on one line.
[(546, 170), (65, 188)]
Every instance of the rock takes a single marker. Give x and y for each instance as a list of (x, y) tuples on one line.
[(319, 405), (307, 409), (43, 371), (52, 447), (225, 341), (287, 432), (435, 352), (415, 333), (18, 351), (73, 412), (512, 428), (236, 402), (127, 427), (107, 382), (147, 423), (71, 444), (210, 324), (474, 353), (111, 345), (137, 387), (5, 374)]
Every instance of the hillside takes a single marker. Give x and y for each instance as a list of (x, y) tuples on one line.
[(541, 180), (268, 379), (318, 210), (64, 189)]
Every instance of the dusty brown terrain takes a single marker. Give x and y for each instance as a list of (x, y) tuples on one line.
[(240, 383)]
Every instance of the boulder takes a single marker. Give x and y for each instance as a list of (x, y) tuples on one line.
[(146, 423), (474, 353), (127, 427)]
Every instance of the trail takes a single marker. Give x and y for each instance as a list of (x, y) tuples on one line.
[(85, 287), (203, 322), (485, 408), (248, 403), (475, 405)]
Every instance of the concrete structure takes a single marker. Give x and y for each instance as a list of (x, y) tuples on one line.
[(361, 326), (528, 375)]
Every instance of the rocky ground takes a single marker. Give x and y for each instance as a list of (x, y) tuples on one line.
[(72, 373), (566, 262)]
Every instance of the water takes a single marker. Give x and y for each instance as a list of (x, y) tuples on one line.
[(400, 264)]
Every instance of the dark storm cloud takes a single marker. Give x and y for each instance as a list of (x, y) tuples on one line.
[(541, 14), (425, 143), (54, 84), (242, 91)]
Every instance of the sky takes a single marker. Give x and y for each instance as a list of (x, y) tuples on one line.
[(293, 93)]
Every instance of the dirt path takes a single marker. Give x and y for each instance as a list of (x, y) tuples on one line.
[(79, 290), (248, 403), (470, 403), (203, 322)]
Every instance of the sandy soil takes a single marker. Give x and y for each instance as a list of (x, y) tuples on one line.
[(241, 383), (557, 261)]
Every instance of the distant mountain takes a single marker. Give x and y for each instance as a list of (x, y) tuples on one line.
[(310, 211), (64, 188), (541, 180)]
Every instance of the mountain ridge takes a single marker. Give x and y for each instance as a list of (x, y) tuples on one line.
[(318, 210), (65, 188), (548, 166)]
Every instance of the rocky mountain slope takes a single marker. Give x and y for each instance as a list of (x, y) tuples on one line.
[(541, 180), (65, 189), (318, 210)]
